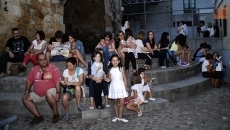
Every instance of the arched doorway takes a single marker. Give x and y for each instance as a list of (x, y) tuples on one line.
[(87, 19)]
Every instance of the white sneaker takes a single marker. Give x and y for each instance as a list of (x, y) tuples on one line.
[(153, 99), (123, 120), (145, 101), (114, 119), (139, 114), (163, 67)]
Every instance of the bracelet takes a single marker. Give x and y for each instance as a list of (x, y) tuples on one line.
[(26, 92)]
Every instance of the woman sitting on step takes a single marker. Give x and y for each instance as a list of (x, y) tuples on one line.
[(209, 72), (153, 51), (73, 78), (177, 48)]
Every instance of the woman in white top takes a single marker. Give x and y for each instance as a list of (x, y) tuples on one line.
[(124, 23), (209, 72), (38, 46), (73, 78)]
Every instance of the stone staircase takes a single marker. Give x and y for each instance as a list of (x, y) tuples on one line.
[(170, 85)]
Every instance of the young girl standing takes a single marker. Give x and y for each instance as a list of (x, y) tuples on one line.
[(118, 87), (97, 71)]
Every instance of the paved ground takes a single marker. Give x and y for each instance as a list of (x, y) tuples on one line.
[(207, 111)]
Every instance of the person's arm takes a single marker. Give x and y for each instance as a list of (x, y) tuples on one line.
[(94, 69), (81, 47), (80, 83), (73, 47), (149, 47), (204, 52), (134, 95), (128, 26), (125, 80)]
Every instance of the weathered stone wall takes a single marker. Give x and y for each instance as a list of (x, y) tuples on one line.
[(87, 19), (30, 16)]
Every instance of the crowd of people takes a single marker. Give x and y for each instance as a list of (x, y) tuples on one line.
[(105, 69)]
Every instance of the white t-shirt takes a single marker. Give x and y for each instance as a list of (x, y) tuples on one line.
[(38, 46), (211, 31), (139, 88), (72, 78), (139, 44), (94, 67), (124, 27), (204, 66)]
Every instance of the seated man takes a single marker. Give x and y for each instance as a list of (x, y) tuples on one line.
[(14, 51), (46, 81)]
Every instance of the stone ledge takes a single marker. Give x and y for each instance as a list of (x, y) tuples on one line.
[(182, 89)]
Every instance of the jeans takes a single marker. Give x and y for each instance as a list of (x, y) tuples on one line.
[(168, 57), (97, 93), (156, 54), (106, 55), (224, 72), (18, 57), (57, 58)]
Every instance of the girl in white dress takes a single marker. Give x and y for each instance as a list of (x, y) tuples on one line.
[(118, 87)]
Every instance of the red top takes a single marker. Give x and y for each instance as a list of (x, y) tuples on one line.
[(109, 44), (43, 81)]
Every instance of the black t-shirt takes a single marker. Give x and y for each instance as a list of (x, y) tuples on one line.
[(164, 44), (152, 44), (18, 45)]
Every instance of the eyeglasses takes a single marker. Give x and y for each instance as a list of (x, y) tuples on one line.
[(42, 59)]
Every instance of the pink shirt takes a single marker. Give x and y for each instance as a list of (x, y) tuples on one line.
[(109, 44), (42, 81)]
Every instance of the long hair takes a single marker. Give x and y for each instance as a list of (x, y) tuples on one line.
[(117, 39), (180, 39), (148, 40), (164, 40), (135, 79), (111, 65), (128, 33)]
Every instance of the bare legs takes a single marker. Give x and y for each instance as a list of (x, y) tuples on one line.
[(119, 108), (30, 105)]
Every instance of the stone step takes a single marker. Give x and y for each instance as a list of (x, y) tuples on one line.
[(9, 100), (176, 73), (109, 112), (182, 89)]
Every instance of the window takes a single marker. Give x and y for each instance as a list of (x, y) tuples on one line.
[(189, 5)]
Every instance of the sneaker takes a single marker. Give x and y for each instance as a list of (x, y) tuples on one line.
[(66, 117), (114, 119), (139, 114), (184, 64), (168, 67), (152, 99), (163, 67), (55, 118), (37, 120), (123, 120), (178, 63), (81, 108), (21, 74), (145, 101)]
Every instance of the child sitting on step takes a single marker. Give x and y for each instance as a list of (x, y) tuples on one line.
[(137, 97), (145, 81)]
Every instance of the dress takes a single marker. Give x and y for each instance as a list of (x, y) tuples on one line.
[(117, 85)]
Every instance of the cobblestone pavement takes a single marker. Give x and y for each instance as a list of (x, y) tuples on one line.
[(207, 111)]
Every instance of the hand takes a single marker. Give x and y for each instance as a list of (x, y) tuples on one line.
[(63, 83), (57, 97), (27, 96), (99, 67)]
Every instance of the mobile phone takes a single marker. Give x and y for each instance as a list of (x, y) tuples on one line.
[(153, 78)]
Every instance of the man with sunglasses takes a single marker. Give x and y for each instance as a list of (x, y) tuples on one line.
[(46, 82), (14, 51)]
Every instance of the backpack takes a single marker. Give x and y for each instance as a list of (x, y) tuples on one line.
[(15, 70), (206, 33)]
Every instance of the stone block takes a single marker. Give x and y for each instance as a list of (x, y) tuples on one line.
[(46, 3), (3, 29), (48, 19), (58, 18), (15, 11)]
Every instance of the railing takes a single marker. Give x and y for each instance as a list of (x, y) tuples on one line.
[(5, 124)]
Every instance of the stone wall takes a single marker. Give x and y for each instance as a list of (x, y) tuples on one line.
[(30, 16)]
